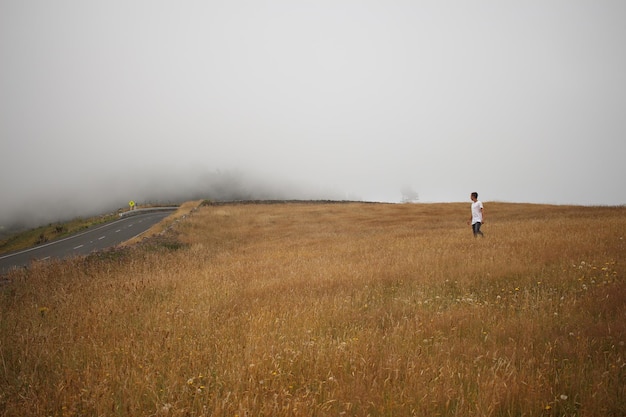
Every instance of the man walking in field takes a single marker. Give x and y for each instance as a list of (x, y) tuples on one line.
[(478, 215)]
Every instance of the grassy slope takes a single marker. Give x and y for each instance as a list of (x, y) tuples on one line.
[(329, 309)]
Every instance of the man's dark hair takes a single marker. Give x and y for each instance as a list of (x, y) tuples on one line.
[(475, 194)]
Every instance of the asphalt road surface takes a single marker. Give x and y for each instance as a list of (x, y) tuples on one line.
[(101, 237)]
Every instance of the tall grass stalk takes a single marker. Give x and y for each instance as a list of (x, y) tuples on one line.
[(329, 310)]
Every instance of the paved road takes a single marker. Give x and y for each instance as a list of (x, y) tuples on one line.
[(101, 237)]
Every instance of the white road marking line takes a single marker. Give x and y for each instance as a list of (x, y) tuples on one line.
[(79, 246), (118, 230), (101, 237)]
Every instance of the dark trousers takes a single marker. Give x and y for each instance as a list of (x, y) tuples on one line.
[(476, 229)]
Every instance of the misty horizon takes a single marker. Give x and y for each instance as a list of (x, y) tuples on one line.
[(102, 103), (118, 191)]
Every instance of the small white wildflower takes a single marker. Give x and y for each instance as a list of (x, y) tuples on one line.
[(563, 397)]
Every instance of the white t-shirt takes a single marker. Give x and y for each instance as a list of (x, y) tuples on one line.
[(477, 212)]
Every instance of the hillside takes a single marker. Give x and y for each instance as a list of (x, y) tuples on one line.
[(329, 309)]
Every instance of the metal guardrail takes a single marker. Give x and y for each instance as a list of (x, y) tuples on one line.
[(146, 210)]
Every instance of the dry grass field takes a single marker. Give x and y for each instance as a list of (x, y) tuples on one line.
[(329, 310)]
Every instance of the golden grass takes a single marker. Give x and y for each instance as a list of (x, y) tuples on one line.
[(329, 309)]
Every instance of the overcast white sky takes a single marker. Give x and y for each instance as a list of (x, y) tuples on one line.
[(102, 102)]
